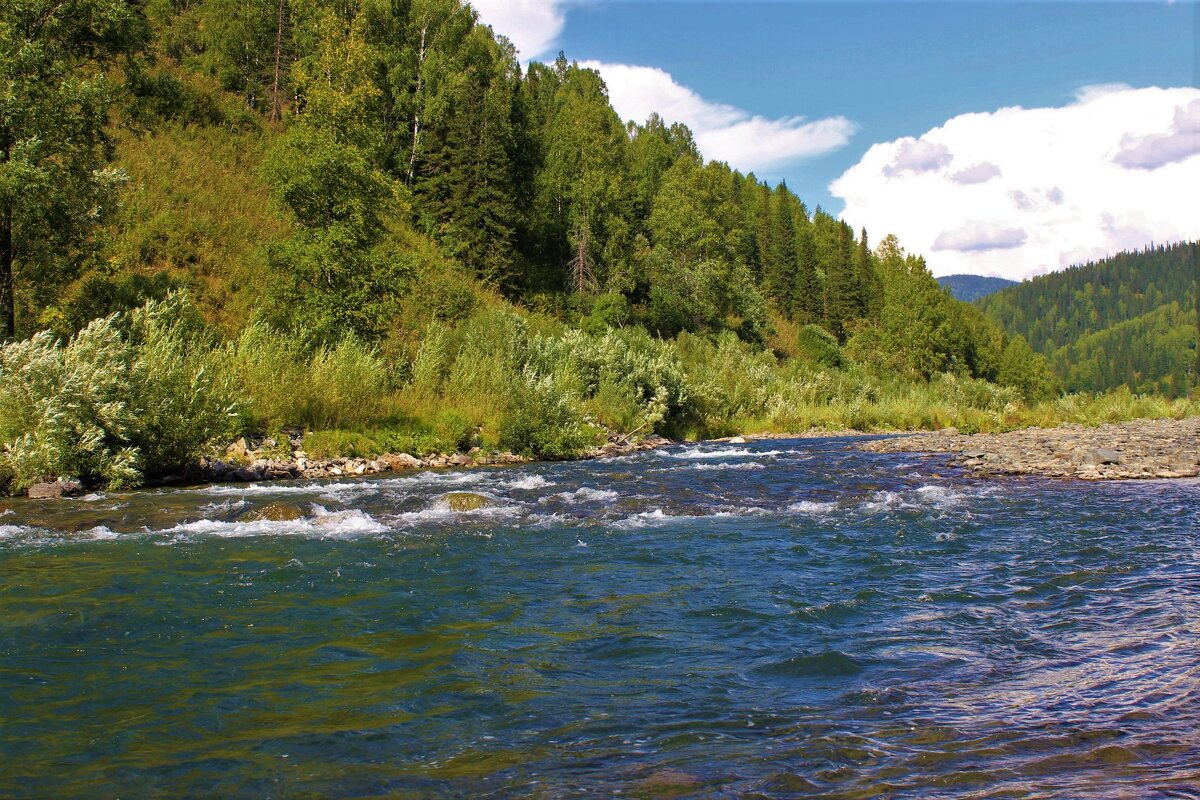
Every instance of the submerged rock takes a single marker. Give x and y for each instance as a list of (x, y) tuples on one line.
[(467, 501), (274, 512)]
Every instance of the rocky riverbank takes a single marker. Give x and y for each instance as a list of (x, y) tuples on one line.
[(253, 460), (1138, 449)]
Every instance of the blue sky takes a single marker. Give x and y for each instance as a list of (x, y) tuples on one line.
[(868, 77), (895, 69)]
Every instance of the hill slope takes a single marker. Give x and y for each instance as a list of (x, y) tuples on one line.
[(1128, 320), (970, 288)]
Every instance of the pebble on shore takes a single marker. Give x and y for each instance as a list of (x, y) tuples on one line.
[(1139, 449)]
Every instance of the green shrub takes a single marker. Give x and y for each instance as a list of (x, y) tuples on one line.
[(819, 346), (456, 429), (113, 407), (182, 386), (344, 386), (341, 444), (543, 423)]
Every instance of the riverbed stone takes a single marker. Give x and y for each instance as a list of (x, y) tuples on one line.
[(273, 512), (467, 501), (63, 487), (1137, 449), (1101, 456)]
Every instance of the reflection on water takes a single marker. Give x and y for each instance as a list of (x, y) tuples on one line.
[(774, 619)]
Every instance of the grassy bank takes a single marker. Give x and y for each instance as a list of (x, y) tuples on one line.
[(138, 395)]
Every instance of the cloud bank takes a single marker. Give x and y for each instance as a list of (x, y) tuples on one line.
[(532, 26), (748, 142), (1018, 191)]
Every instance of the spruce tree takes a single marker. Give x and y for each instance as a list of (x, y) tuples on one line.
[(780, 277), (807, 300)]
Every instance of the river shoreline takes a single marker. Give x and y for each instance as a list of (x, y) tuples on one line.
[(1135, 450), (1138, 449)]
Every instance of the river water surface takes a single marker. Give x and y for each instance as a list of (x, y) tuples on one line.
[(779, 619)]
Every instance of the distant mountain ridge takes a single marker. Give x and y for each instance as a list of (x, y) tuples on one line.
[(970, 288), (1129, 320)]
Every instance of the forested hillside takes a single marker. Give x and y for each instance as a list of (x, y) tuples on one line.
[(1129, 320), (367, 221), (970, 288)]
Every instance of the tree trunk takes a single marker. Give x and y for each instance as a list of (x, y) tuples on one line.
[(416, 125), (8, 317), (276, 102)]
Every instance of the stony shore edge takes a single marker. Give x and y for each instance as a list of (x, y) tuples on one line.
[(258, 459), (1139, 449)]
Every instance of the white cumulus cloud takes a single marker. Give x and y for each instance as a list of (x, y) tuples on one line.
[(746, 141), (533, 26), (1021, 191)]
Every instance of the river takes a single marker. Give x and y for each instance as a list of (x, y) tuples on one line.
[(779, 619)]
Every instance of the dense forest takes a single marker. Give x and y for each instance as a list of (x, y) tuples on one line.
[(366, 220), (970, 288), (1129, 320)]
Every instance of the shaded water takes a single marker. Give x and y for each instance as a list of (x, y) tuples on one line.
[(776, 619)]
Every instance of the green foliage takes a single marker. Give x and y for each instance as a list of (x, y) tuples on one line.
[(1111, 323), (182, 388), (541, 422), (286, 382), (1025, 371), (55, 182), (113, 406), (817, 345)]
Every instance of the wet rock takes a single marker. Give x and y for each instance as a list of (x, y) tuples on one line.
[(460, 460), (245, 475), (63, 487), (466, 501), (273, 512), (740, 440), (404, 461)]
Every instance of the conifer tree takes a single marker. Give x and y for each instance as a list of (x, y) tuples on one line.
[(808, 302), (780, 278)]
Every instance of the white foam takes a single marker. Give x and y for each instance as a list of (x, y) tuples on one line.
[(322, 524), (528, 482), (252, 489), (101, 532), (13, 531), (811, 507), (742, 465), (585, 493), (657, 517)]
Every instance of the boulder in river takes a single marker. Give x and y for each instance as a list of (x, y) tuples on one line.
[(273, 512), (63, 487), (466, 501)]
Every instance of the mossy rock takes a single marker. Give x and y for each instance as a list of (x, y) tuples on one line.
[(467, 501), (274, 512)]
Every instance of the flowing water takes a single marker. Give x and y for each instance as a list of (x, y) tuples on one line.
[(779, 619)]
